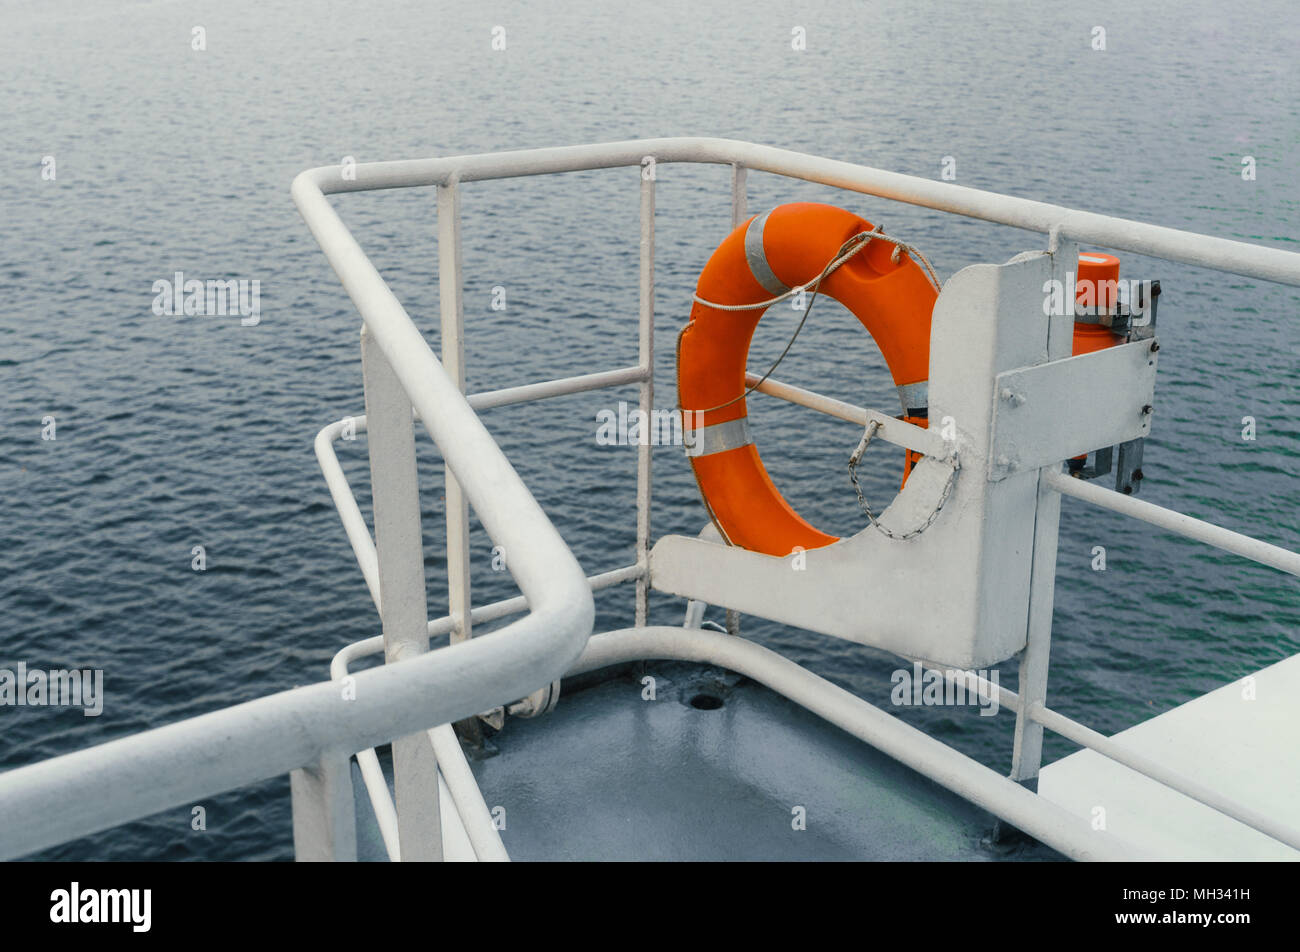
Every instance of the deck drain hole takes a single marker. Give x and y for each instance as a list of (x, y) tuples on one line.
[(706, 702)]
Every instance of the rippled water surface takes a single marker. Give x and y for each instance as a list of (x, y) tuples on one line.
[(174, 432)]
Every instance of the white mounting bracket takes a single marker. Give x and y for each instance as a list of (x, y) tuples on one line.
[(1050, 412)]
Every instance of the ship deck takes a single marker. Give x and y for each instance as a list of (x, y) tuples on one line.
[(712, 769), (1243, 735)]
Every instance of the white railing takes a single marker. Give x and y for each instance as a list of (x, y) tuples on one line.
[(313, 731), (1058, 223)]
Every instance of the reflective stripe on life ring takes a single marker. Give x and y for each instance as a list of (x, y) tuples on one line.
[(766, 256)]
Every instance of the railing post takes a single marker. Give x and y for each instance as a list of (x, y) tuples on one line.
[(403, 607), (453, 361), (739, 194), (1027, 752), (647, 361), (324, 812)]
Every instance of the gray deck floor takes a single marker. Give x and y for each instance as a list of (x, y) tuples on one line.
[(609, 776)]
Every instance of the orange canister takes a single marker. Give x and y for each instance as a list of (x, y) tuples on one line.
[(1097, 299)]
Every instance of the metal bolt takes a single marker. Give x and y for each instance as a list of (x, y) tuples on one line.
[(1147, 410), (1016, 399), (1137, 475), (1155, 346)]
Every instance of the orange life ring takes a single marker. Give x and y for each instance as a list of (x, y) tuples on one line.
[(768, 255)]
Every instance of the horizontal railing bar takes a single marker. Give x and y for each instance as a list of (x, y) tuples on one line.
[(73, 795), (1087, 737), (547, 389), (892, 429), (1171, 244), (1256, 550), (494, 611), (354, 524), (1107, 747)]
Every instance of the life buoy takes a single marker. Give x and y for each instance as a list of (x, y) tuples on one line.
[(765, 257)]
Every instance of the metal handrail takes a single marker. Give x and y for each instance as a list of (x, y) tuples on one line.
[(60, 799), (246, 743), (1172, 244), (1186, 526), (1248, 547), (1059, 223)]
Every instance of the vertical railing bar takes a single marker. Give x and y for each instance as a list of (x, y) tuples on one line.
[(1035, 662), (1027, 753), (647, 362), (403, 604), (739, 212), (324, 812), (739, 194), (451, 300)]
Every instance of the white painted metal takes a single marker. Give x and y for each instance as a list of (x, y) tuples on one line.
[(1242, 735), (694, 617), (1275, 824), (464, 814), (1035, 714), (1035, 661), (1027, 740), (324, 813), (1220, 254), (310, 731), (381, 802), (1265, 743), (463, 811), (892, 430), (558, 388), (958, 592), (60, 799), (964, 776), (483, 614), (1262, 552), (470, 807), (354, 524), (646, 358), (1068, 407), (453, 361), (456, 847), (403, 609), (372, 774), (739, 194)]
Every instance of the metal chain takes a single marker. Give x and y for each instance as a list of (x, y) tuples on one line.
[(856, 458)]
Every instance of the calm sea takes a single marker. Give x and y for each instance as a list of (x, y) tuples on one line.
[(176, 432)]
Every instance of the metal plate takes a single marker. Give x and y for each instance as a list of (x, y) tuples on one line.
[(1053, 411)]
